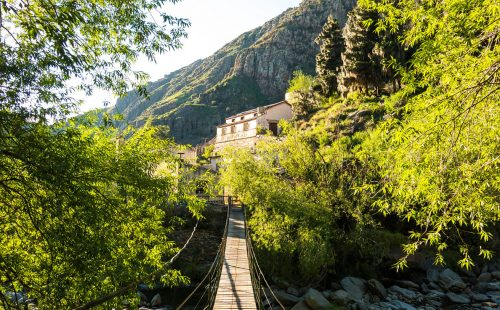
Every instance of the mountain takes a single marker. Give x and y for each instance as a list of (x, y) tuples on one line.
[(252, 70)]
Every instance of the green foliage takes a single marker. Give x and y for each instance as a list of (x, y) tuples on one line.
[(328, 60), (439, 162), (311, 209), (208, 152), (426, 156), (82, 205), (300, 82), (302, 98), (44, 44), (359, 60), (83, 210)]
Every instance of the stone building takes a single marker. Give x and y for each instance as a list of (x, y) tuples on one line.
[(244, 129)]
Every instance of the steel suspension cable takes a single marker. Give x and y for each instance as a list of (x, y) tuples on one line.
[(216, 259), (131, 286)]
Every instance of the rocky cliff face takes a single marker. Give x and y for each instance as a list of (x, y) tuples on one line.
[(252, 70)]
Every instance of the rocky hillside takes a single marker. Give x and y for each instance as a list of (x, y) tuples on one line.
[(252, 70)]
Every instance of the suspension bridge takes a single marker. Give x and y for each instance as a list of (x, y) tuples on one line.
[(235, 279)]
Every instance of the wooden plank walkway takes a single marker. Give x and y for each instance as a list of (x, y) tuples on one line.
[(235, 284)]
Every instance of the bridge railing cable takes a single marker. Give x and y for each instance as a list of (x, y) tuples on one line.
[(133, 285), (262, 289), (211, 279)]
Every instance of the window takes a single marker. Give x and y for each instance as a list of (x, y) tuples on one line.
[(233, 120), (255, 115), (241, 118), (223, 130), (246, 126), (233, 129)]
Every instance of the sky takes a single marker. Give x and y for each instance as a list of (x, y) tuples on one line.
[(213, 24)]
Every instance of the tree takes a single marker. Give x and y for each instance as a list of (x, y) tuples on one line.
[(46, 43), (82, 207), (360, 62), (438, 153), (312, 217), (302, 97), (83, 211), (328, 60)]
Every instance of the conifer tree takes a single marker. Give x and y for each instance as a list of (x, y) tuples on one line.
[(360, 59), (328, 60)]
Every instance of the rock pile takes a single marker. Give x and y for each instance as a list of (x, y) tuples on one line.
[(439, 289)]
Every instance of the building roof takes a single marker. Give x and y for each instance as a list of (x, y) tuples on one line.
[(254, 110), (238, 122)]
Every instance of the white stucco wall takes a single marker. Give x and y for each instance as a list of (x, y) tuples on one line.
[(241, 118), (278, 112), (239, 131), (246, 137)]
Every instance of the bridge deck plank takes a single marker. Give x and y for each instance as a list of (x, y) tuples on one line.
[(235, 284)]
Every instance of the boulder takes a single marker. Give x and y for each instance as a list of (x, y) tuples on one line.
[(143, 298), (156, 301), (458, 298), (450, 280), (408, 284), (481, 287), (335, 286), (270, 292), (402, 305), (490, 304), (301, 306), (303, 290), (406, 293), (433, 275), (434, 298), (387, 305), (435, 286), (493, 286), (354, 286), (341, 297), (377, 288), (485, 277), (435, 294), (435, 304), (327, 294), (496, 274), (285, 298), (424, 288), (361, 305), (316, 300), (479, 297), (494, 296), (293, 291)]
